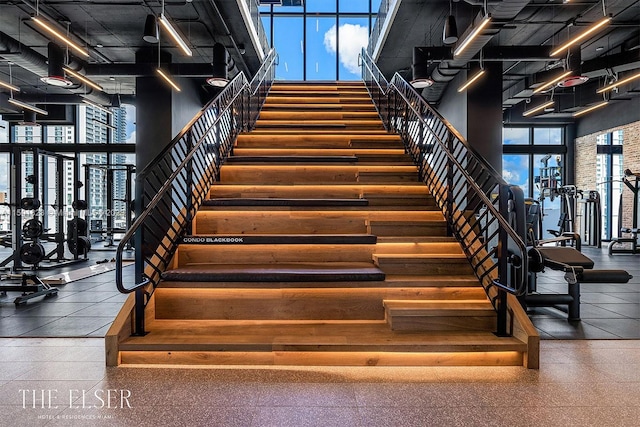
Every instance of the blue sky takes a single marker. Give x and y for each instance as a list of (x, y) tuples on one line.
[(323, 36)]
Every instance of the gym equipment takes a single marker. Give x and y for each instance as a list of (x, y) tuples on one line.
[(577, 268), (31, 287), (110, 219), (591, 220), (32, 229), (32, 253), (633, 230), (29, 221)]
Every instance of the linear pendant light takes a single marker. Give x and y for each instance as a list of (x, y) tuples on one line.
[(168, 79), (590, 109), (485, 21), (96, 105), (9, 86), (538, 108), (471, 81), (83, 79), (42, 23), (582, 35), (552, 82), (174, 34), (618, 83), (28, 106)]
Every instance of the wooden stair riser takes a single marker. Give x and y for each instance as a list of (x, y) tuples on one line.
[(319, 107), (310, 222), (190, 254), (316, 174), (281, 304), (432, 315), (317, 141), (318, 99), (408, 228), (375, 194), (301, 114), (318, 357), (441, 323), (400, 264), (264, 254)]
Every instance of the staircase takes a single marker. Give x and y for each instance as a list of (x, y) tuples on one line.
[(320, 246)]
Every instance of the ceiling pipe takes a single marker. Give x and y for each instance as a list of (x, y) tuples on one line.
[(30, 60), (446, 71)]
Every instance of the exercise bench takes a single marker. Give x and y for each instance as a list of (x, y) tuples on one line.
[(577, 267)]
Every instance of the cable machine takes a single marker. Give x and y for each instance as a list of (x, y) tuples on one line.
[(99, 218), (633, 230)]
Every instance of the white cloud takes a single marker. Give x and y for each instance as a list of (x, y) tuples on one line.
[(511, 176), (352, 39), (131, 139)]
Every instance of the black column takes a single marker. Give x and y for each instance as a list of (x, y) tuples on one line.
[(484, 114)]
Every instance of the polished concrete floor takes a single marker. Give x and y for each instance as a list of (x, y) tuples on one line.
[(580, 383), (45, 373)]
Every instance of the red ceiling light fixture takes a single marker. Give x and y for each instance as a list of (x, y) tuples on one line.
[(55, 73)]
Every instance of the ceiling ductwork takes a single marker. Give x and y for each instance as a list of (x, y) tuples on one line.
[(447, 70), (30, 60)]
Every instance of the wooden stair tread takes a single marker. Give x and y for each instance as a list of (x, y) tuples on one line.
[(291, 159), (190, 335), (269, 201), (439, 308), (333, 271), (288, 239), (433, 257), (319, 107)]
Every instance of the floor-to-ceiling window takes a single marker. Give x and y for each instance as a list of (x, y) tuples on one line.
[(320, 40), (609, 173), (534, 159)]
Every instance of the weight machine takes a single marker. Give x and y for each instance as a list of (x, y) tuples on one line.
[(97, 217), (633, 231), (27, 237)]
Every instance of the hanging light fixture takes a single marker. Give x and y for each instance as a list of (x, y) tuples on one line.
[(472, 80), (219, 76), (47, 26), (551, 83), (83, 79), (590, 109), (618, 83), (165, 76), (26, 106), (98, 106), (150, 29), (450, 31), (166, 24), (593, 28), (539, 108), (573, 62), (55, 61), (420, 70), (465, 43), (10, 85)]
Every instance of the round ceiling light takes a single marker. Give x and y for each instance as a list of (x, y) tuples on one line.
[(572, 81), (59, 81)]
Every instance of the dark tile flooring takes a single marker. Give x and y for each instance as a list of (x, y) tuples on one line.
[(86, 308), (607, 310)]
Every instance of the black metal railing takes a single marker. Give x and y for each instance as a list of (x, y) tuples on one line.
[(170, 190), (477, 203)]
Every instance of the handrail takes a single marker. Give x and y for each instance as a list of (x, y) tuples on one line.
[(176, 182), (478, 204)]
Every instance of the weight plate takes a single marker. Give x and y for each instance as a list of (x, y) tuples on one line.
[(32, 229), (31, 253)]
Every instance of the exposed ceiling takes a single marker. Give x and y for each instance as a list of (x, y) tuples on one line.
[(520, 36), (111, 31)]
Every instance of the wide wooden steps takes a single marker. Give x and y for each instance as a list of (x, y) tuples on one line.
[(319, 245), (342, 343)]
